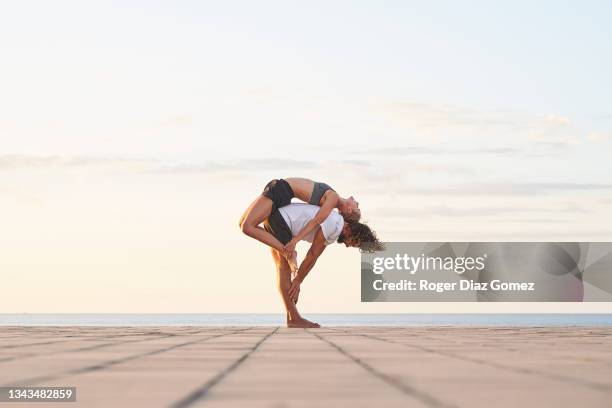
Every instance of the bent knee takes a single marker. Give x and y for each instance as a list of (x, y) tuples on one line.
[(247, 228)]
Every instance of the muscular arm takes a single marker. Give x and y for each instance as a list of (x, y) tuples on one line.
[(331, 200), (316, 249)]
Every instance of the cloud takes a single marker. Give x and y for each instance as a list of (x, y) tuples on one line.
[(9, 162), (601, 116), (484, 233), (599, 136), (505, 188), (406, 150), (553, 146), (447, 211), (480, 189), (439, 120), (557, 120), (156, 166), (232, 166), (536, 149), (435, 116), (425, 116), (555, 129)]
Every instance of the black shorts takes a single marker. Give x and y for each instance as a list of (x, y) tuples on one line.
[(280, 192), (275, 224)]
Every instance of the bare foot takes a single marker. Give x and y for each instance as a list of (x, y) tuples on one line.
[(293, 265), (302, 323)]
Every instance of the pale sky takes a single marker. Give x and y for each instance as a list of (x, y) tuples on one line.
[(133, 134)]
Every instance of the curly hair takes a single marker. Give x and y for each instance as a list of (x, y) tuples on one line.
[(365, 237)]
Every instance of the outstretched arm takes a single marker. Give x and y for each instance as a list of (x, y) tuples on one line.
[(316, 249), (331, 200)]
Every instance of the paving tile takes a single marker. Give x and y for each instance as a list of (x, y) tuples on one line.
[(328, 367)]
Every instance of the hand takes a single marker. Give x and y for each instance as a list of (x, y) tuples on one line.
[(294, 290), (288, 249)]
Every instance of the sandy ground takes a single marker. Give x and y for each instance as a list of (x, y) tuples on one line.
[(329, 367)]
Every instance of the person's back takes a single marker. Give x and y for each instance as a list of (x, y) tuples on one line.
[(298, 215)]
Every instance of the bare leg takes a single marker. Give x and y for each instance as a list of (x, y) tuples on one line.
[(284, 283), (255, 214), (293, 264), (258, 211)]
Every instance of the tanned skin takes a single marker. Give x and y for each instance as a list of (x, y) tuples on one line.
[(261, 208), (289, 290)]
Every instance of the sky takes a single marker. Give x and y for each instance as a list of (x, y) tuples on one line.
[(133, 134)]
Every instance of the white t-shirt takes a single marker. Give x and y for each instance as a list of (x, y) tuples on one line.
[(298, 215)]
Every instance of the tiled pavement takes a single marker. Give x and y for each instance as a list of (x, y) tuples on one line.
[(328, 367)]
